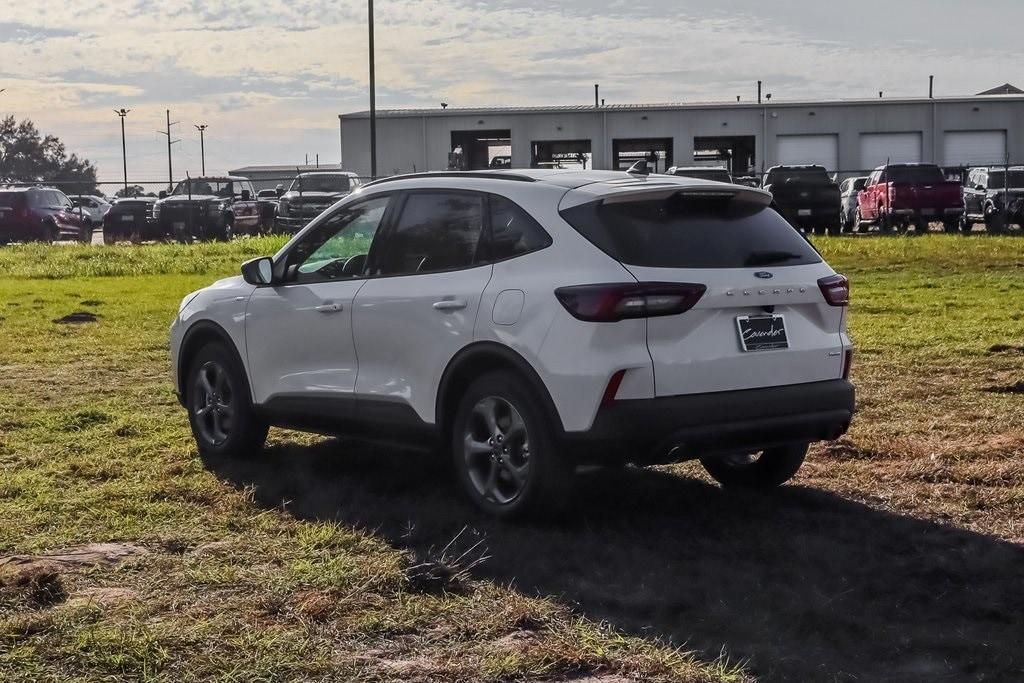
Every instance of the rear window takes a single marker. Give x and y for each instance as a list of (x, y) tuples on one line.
[(691, 232), (716, 174), (914, 175), (798, 175), (12, 200)]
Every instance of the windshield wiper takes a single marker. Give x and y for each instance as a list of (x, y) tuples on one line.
[(764, 258)]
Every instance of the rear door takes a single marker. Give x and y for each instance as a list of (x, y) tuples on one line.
[(761, 276), (419, 308)]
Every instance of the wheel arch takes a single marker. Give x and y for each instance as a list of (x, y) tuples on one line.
[(198, 335), (476, 359)]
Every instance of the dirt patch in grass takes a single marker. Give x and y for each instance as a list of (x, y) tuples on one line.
[(1015, 388), (77, 318)]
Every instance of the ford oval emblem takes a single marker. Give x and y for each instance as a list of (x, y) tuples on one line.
[(764, 275)]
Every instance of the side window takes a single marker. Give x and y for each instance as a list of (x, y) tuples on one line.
[(437, 230), (337, 248), (513, 231)]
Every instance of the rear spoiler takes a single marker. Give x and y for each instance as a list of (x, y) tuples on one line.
[(651, 188)]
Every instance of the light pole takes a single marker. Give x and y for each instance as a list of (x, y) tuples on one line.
[(202, 145), (170, 173), (122, 112), (373, 103)]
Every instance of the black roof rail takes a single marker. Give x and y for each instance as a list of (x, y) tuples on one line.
[(485, 175)]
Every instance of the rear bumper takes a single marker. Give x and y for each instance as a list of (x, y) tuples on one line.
[(675, 428), (813, 215), (927, 212)]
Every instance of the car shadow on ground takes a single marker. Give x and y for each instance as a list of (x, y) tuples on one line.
[(799, 584)]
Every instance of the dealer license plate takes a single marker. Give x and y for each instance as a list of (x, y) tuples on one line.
[(762, 332)]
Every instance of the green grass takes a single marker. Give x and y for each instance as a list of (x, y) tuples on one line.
[(890, 553)]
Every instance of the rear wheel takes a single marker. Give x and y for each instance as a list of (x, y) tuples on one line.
[(920, 226), (883, 222), (220, 411), (995, 223), (504, 451), (763, 469)]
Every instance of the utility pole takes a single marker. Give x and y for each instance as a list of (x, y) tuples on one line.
[(373, 101), (122, 112), (170, 172), (202, 145)]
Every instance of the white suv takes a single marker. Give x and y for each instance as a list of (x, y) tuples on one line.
[(531, 321)]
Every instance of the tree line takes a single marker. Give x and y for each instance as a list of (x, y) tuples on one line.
[(27, 156)]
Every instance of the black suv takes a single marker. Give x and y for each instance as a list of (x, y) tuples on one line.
[(806, 195), (208, 208), (995, 197)]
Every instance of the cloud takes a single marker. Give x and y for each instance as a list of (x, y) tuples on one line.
[(270, 76)]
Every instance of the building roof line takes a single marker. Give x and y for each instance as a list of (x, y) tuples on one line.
[(673, 106)]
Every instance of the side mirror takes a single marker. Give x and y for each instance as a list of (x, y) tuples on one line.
[(979, 188), (279, 191), (246, 195), (258, 271)]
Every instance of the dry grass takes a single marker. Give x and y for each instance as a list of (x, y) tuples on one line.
[(894, 556)]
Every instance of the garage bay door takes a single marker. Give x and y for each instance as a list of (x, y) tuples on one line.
[(974, 148), (877, 149), (798, 150)]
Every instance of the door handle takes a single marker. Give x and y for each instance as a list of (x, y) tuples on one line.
[(450, 305), (329, 308)]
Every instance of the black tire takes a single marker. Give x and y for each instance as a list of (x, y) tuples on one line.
[(219, 403), (920, 226), (110, 237), (995, 223), (883, 222), (950, 226), (527, 446), (85, 234), (859, 223), (768, 469)]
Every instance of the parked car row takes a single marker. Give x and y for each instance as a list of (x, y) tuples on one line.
[(40, 214)]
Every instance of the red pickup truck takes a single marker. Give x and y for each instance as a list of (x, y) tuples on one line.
[(900, 195)]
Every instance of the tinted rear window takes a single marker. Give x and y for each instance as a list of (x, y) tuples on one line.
[(12, 200), (798, 175), (914, 175), (718, 175), (691, 232)]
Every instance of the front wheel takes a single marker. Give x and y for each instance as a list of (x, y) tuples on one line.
[(504, 451), (763, 469), (220, 411)]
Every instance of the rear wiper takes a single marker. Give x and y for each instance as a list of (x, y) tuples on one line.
[(764, 258)]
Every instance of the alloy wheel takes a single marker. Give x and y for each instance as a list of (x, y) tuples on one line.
[(213, 403), (496, 449)]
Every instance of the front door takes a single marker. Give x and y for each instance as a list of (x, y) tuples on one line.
[(299, 333), (420, 307)]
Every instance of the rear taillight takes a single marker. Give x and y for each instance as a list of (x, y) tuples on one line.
[(847, 363), (835, 289), (613, 302)]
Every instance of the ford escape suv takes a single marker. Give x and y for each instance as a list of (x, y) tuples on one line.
[(527, 322)]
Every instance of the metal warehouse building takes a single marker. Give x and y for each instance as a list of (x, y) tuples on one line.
[(846, 136)]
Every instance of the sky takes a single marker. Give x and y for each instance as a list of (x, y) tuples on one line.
[(269, 77)]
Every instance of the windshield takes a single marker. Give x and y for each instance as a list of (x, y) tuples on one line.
[(798, 175), (914, 175), (997, 179), (321, 183), (220, 188), (687, 231), (718, 174)]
